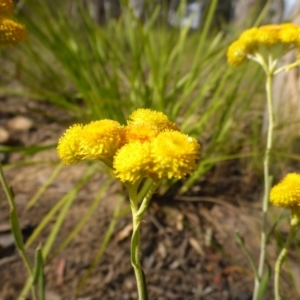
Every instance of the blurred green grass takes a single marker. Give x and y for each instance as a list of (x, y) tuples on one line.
[(97, 72)]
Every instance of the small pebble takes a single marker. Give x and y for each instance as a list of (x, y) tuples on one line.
[(51, 295), (19, 123), (4, 135)]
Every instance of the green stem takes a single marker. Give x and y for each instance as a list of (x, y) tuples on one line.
[(287, 67), (282, 255), (263, 244), (137, 214), (135, 245)]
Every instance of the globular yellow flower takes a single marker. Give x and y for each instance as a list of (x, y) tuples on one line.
[(290, 33), (101, 139), (140, 132), (248, 39), (268, 35), (69, 145), (237, 53), (133, 162), (11, 32), (174, 154), (6, 7), (147, 147), (287, 192), (151, 117)]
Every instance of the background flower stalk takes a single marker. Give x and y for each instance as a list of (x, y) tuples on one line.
[(265, 45)]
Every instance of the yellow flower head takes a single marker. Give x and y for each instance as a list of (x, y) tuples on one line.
[(287, 192), (290, 34), (151, 117), (140, 132), (11, 32), (69, 145), (101, 139), (268, 35), (237, 53), (248, 38), (132, 162), (174, 154), (265, 36), (149, 146), (6, 7)]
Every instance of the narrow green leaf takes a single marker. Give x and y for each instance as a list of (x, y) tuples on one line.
[(47, 219), (264, 285), (57, 225), (38, 264), (16, 230), (44, 187), (83, 220), (41, 274), (108, 234), (240, 241)]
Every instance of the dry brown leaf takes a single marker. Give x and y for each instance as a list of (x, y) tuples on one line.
[(194, 243), (124, 233)]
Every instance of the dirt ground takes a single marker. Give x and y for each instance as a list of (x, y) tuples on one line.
[(188, 241)]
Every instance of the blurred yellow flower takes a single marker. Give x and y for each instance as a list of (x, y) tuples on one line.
[(69, 145), (290, 34), (11, 32), (237, 53), (268, 35), (101, 139), (174, 154), (248, 38), (151, 117), (6, 7), (287, 192), (265, 36), (132, 162)]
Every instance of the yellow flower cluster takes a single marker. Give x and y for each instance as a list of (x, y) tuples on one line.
[(148, 146), (11, 32), (268, 35), (287, 192), (6, 7)]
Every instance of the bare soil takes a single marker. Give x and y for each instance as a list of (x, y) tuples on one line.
[(188, 241)]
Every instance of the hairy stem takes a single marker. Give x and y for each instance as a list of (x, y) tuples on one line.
[(137, 214), (265, 202)]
